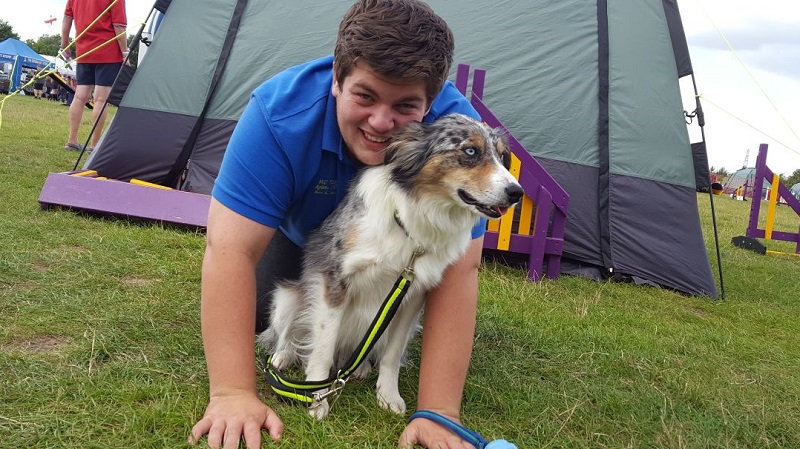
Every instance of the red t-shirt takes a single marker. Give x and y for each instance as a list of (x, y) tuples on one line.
[(84, 12)]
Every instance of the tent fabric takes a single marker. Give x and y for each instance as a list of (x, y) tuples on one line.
[(589, 88), (744, 176), (18, 55), (795, 189)]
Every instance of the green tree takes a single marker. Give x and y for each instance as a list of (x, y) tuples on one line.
[(6, 31), (793, 179), (46, 44), (134, 49)]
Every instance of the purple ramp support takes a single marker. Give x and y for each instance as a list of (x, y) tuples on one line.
[(123, 199)]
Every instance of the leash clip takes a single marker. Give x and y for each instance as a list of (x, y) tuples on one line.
[(336, 387), (408, 271)]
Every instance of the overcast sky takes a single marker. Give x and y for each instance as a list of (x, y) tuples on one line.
[(749, 96)]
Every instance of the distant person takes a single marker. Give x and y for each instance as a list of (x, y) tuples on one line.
[(48, 88), (103, 58), (38, 87)]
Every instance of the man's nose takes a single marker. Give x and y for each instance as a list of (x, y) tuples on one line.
[(382, 119)]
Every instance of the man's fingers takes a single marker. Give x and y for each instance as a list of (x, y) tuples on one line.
[(201, 428), (233, 433), (215, 435), (252, 435), (408, 438), (274, 425)]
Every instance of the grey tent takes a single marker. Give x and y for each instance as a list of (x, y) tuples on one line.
[(590, 88), (744, 177)]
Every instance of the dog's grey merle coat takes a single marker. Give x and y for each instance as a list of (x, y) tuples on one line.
[(437, 181)]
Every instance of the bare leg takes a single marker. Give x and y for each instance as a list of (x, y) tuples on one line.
[(76, 112), (99, 112)]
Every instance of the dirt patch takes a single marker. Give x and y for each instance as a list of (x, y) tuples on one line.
[(134, 281), (698, 312), (36, 345)]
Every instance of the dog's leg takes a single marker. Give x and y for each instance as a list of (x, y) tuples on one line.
[(325, 336), (284, 326), (397, 335)]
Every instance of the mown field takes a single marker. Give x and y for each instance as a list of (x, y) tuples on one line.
[(100, 343)]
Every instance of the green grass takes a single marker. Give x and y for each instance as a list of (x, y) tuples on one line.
[(100, 343)]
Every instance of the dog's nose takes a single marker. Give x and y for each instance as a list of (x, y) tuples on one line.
[(514, 193)]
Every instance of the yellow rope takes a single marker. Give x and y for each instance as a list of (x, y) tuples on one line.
[(794, 150), (747, 69), (45, 72), (61, 52)]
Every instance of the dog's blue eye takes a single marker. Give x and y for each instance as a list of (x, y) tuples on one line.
[(470, 151)]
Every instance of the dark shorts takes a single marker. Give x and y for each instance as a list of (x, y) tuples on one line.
[(100, 74), (38, 86), (282, 260)]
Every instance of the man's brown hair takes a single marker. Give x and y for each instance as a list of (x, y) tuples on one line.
[(400, 39)]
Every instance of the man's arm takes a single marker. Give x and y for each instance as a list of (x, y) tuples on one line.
[(122, 39), (66, 27), (447, 335), (234, 246)]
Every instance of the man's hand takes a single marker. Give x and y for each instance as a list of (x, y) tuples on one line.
[(429, 434), (228, 418)]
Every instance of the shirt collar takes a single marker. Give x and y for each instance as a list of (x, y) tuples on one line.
[(331, 136)]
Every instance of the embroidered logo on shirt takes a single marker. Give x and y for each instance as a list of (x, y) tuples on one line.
[(325, 187)]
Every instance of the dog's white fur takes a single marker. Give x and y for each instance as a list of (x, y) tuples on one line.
[(438, 190)]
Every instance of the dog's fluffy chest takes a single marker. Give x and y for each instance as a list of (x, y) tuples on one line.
[(391, 229)]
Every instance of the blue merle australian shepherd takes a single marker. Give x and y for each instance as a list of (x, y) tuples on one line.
[(438, 179)]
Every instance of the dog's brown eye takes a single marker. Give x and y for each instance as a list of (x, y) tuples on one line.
[(470, 151)]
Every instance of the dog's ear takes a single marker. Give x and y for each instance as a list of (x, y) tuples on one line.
[(410, 133), (407, 152)]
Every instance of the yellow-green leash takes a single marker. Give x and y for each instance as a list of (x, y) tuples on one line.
[(307, 391)]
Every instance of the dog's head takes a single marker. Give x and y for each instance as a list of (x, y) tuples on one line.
[(457, 158)]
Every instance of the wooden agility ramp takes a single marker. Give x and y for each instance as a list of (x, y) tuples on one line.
[(535, 227)]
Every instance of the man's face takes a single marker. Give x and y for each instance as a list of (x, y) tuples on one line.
[(370, 108)]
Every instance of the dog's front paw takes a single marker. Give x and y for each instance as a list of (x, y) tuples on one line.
[(363, 371), (282, 360), (319, 409), (392, 401)]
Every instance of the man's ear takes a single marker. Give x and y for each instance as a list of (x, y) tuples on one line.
[(335, 87)]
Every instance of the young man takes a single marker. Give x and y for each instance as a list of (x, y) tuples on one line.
[(302, 138), (100, 52)]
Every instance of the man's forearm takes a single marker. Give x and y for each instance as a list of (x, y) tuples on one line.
[(227, 318), (448, 333), (66, 27), (122, 37)]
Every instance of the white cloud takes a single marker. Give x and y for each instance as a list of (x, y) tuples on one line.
[(750, 93)]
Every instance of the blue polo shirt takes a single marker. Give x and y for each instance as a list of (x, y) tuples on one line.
[(286, 166)]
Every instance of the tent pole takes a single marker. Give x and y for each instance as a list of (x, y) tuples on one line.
[(702, 122)]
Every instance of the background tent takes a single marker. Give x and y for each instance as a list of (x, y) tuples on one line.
[(16, 55), (746, 177), (589, 87)]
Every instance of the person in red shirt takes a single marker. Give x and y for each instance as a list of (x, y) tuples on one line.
[(101, 47)]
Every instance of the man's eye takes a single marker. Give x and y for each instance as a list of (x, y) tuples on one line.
[(470, 151)]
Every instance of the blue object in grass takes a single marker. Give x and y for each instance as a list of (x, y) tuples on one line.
[(468, 435)]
